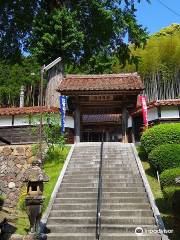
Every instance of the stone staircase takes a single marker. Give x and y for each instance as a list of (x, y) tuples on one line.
[(125, 205)]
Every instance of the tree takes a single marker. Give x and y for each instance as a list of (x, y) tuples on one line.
[(15, 25), (13, 76), (51, 129), (75, 30), (159, 64), (80, 31)]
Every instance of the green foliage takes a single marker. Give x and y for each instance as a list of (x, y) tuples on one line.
[(158, 64), (54, 161), (167, 177), (56, 153), (2, 198), (13, 76), (15, 26), (51, 129), (142, 153), (80, 31), (170, 30), (74, 30), (56, 34), (165, 156), (34, 149), (21, 202), (161, 134), (171, 195)]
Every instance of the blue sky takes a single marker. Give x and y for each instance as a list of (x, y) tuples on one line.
[(155, 16)]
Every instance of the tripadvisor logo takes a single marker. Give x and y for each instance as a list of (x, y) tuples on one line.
[(139, 231)]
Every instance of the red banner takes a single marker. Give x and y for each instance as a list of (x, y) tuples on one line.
[(144, 109)]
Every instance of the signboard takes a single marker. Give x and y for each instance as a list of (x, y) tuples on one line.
[(144, 109), (63, 112)]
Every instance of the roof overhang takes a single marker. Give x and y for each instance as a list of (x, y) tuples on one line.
[(83, 85)]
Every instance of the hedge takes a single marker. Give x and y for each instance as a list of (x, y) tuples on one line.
[(165, 156), (142, 153), (172, 198), (167, 178), (160, 134)]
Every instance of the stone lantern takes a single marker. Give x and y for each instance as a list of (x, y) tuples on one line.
[(34, 177)]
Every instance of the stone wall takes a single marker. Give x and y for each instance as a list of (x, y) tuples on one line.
[(14, 160)]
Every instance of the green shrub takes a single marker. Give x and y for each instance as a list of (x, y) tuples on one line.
[(1, 201), (167, 177), (142, 153), (55, 153), (172, 198), (165, 156), (21, 203), (161, 134)]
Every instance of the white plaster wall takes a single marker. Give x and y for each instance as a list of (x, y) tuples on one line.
[(69, 122), (21, 120), (129, 122), (169, 112), (5, 121), (152, 114)]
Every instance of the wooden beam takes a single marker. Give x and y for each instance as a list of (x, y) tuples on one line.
[(100, 92)]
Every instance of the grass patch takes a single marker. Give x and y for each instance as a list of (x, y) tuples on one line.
[(54, 162), (170, 221), (52, 167)]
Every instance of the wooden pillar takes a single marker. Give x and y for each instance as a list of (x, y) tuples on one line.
[(107, 136), (124, 124), (133, 131), (77, 124)]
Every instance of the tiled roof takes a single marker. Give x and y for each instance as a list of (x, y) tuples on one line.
[(27, 110), (101, 118), (129, 81), (167, 102)]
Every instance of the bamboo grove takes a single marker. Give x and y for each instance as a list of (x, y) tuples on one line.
[(159, 64)]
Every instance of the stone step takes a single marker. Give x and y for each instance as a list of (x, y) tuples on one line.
[(105, 228), (105, 177), (116, 180), (104, 236), (71, 236), (106, 174), (88, 206), (73, 213), (105, 189), (104, 220), (105, 200), (105, 195), (82, 206), (106, 184), (105, 167), (104, 213), (94, 168), (129, 236), (119, 165), (75, 228)]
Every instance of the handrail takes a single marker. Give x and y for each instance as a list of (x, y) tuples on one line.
[(99, 197)]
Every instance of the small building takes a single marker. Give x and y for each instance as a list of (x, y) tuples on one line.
[(102, 104), (17, 123), (160, 111)]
